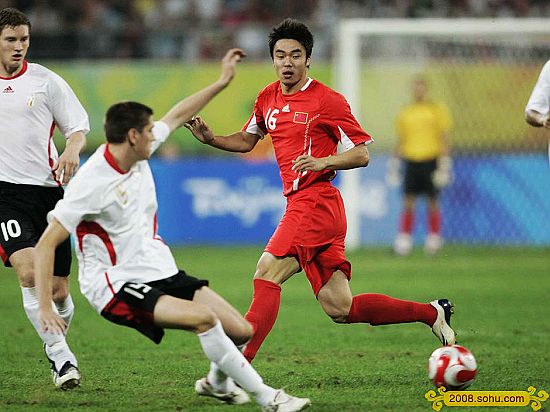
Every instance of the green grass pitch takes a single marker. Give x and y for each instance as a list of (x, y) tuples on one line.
[(501, 297)]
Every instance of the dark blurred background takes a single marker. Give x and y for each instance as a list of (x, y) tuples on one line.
[(199, 29)]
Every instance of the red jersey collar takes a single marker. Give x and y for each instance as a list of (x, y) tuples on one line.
[(112, 161), (21, 73)]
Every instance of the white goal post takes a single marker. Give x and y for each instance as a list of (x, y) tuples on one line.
[(348, 68)]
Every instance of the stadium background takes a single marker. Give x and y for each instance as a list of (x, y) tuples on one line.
[(158, 51)]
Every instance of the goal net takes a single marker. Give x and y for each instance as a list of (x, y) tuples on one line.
[(484, 71)]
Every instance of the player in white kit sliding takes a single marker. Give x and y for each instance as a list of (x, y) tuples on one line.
[(127, 272)]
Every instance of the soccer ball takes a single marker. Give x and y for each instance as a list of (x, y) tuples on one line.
[(453, 367)]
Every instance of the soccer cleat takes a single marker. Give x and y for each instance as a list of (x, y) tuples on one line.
[(67, 378), (236, 397), (286, 403), (442, 325)]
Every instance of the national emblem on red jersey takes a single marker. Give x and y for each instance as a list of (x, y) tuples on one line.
[(300, 117), (453, 367)]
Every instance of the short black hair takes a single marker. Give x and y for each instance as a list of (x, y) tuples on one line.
[(123, 116), (10, 17), (291, 29)]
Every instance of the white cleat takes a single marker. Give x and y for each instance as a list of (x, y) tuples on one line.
[(442, 325), (403, 244), (236, 397), (67, 378), (433, 244), (283, 402)]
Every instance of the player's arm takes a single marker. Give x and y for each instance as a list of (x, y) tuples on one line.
[(68, 162), (236, 142), (537, 119), (72, 120), (183, 111), (443, 173), (537, 111), (342, 125), (357, 156), (44, 255)]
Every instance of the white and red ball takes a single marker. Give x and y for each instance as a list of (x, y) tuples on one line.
[(453, 367)]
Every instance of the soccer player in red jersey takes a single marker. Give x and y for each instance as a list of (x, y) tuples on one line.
[(306, 120)]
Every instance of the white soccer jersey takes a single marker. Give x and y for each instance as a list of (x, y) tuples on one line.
[(113, 217), (540, 97), (31, 105)]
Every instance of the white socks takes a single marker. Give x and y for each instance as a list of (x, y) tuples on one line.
[(66, 310), (223, 352), (218, 379), (56, 346)]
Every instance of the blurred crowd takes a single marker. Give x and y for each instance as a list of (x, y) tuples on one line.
[(202, 29)]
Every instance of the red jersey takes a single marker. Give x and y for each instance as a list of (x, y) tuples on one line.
[(311, 121)]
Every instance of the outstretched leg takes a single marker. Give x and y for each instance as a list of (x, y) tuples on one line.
[(271, 272), (234, 324), (376, 309), (217, 384), (174, 313)]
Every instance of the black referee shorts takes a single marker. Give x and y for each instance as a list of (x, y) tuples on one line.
[(23, 211), (134, 303)]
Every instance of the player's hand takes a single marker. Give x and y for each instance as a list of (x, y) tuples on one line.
[(393, 173), (443, 174), (66, 166), (307, 162), (546, 121), (230, 60), (200, 130), (51, 322)]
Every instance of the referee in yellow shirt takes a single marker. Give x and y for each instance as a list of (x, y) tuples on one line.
[(423, 151)]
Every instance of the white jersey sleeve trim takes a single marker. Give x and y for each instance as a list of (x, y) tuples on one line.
[(254, 128), (161, 131), (347, 143)]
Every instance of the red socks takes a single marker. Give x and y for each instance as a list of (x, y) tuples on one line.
[(407, 222), (379, 309), (262, 314), (434, 222), (372, 308)]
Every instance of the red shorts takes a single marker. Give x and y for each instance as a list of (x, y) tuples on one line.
[(313, 229)]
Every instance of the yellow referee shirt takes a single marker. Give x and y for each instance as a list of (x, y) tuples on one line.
[(420, 128)]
